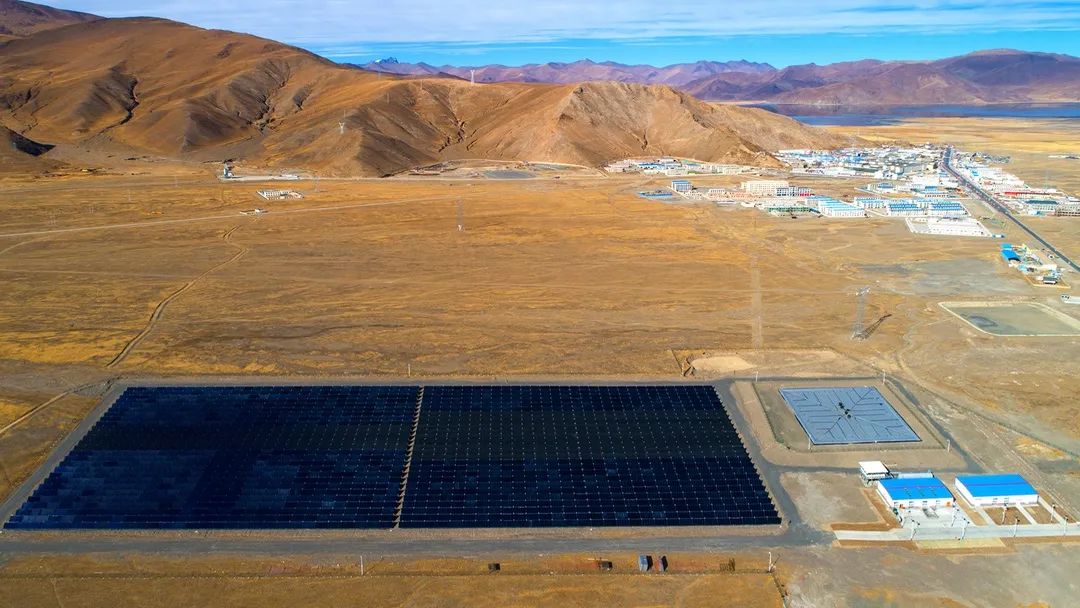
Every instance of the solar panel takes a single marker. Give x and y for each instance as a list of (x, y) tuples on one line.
[(233, 457), (541, 456), (845, 415), (334, 457)]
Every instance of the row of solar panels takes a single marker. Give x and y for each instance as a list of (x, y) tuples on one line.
[(264, 457)]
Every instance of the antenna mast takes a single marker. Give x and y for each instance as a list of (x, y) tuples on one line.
[(858, 329)]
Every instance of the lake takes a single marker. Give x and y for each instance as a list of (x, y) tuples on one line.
[(855, 116)]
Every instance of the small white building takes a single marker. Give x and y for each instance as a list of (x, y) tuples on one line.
[(873, 470), (681, 186), (996, 490)]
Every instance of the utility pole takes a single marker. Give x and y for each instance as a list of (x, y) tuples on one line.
[(460, 216), (858, 329)]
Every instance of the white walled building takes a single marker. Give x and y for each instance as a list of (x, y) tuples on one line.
[(681, 186), (915, 492), (948, 226), (764, 187), (996, 490)]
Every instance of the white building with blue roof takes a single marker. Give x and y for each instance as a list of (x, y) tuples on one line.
[(915, 492), (996, 490), (682, 186)]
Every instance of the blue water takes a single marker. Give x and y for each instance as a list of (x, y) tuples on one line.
[(857, 116)]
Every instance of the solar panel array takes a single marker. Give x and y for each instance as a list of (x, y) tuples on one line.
[(845, 415), (540, 456), (233, 457), (335, 457)]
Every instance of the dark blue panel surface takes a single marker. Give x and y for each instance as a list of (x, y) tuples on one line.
[(233, 457), (538, 456)]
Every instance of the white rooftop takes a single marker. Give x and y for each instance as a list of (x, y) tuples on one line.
[(873, 467)]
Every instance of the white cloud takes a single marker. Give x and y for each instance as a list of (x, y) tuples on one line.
[(329, 22)]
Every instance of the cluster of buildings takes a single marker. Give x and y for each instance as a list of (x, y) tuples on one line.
[(1016, 193), (903, 492), (1031, 264), (752, 190), (673, 167), (884, 162)]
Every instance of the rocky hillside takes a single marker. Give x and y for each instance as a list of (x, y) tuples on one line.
[(165, 88)]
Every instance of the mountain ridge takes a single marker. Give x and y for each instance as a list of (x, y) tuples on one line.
[(19, 19), (986, 76)]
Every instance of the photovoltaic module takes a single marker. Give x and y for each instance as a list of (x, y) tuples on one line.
[(273, 457)]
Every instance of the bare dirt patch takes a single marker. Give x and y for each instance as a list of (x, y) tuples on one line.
[(826, 498)]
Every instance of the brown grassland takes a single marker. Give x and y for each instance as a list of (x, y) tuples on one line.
[(121, 276)]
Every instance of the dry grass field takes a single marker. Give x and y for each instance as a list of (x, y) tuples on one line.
[(564, 581), (140, 276), (143, 275)]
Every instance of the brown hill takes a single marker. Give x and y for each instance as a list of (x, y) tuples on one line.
[(175, 90), (25, 18)]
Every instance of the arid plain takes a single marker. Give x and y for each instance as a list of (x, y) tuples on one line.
[(120, 276)]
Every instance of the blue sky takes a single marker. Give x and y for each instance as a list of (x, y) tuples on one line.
[(658, 32)]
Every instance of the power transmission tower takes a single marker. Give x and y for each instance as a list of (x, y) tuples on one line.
[(858, 329), (460, 216)]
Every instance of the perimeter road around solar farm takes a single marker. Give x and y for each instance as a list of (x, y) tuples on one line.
[(847, 415), (664, 455)]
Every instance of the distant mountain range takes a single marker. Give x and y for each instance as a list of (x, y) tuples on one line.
[(679, 74), (993, 76)]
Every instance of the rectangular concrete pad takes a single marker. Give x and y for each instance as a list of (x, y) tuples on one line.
[(846, 415)]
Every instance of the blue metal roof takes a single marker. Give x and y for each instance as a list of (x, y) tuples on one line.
[(921, 488), (1010, 255), (988, 486)]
